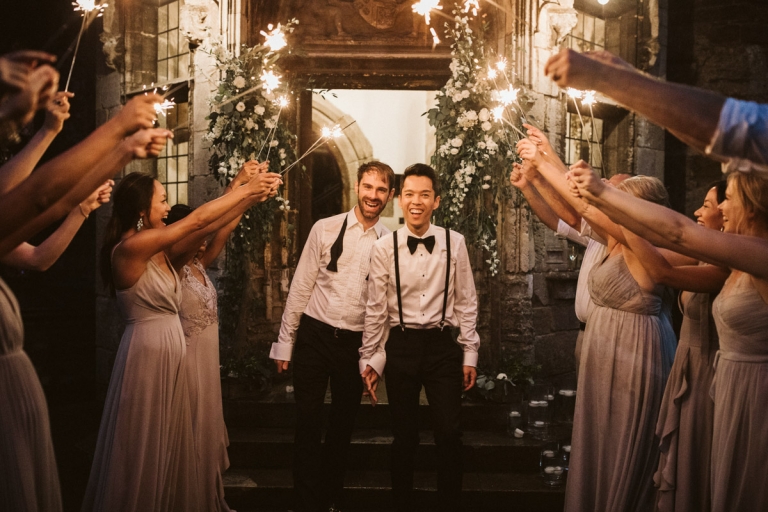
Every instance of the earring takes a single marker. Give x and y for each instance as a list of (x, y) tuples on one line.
[(140, 224)]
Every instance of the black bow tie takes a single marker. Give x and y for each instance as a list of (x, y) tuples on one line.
[(413, 243)]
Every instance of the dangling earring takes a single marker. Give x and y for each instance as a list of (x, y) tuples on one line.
[(140, 224)]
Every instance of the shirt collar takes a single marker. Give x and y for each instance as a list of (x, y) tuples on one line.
[(352, 220), (430, 231)]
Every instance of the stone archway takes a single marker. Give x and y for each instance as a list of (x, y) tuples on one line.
[(350, 150)]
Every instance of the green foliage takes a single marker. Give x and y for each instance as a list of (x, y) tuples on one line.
[(474, 147)]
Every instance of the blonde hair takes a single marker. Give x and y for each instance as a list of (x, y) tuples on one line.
[(646, 187), (751, 192)]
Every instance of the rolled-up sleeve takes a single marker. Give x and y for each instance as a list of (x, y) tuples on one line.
[(742, 133)]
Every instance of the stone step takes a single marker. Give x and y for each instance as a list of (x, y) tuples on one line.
[(487, 452), (262, 489), (264, 414)]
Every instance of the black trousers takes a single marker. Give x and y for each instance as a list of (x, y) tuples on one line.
[(431, 358), (323, 353)]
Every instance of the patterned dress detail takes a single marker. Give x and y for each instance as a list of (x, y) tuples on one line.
[(144, 460), (200, 321), (626, 357), (740, 392), (686, 416), (29, 481)]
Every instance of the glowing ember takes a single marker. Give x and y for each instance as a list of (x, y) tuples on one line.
[(508, 96), (589, 98), (164, 107), (473, 5), (492, 73), (282, 101), (435, 39), (497, 112), (275, 39), (423, 7), (270, 81), (501, 65), (573, 93)]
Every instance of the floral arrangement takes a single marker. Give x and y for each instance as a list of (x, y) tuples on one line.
[(475, 144), (244, 124)]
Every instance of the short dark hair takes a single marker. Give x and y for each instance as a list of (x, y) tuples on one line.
[(383, 169), (423, 170), (178, 212), (719, 187)]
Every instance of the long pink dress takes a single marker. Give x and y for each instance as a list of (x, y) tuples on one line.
[(686, 416), (145, 453), (29, 481), (740, 391), (626, 358), (200, 321)]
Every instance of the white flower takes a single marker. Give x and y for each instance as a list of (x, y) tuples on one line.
[(457, 97), (239, 82), (465, 93), (457, 142), (484, 115), (481, 145), (249, 124), (486, 126), (259, 110), (486, 178), (274, 143), (454, 151), (502, 376), (240, 107), (486, 186)]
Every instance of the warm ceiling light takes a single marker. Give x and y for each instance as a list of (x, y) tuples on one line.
[(602, 2)]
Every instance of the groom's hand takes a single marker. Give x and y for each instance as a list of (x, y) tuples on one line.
[(282, 366), (470, 376), (371, 382)]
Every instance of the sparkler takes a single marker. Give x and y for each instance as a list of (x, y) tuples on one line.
[(576, 94), (435, 39), (589, 99), (473, 5), (275, 39), (327, 134), (283, 102), (164, 107), (270, 81), (88, 7), (424, 7)]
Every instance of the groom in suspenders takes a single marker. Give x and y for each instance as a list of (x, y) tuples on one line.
[(420, 286), (324, 315)]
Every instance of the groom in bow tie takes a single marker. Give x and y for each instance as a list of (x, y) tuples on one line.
[(420, 286)]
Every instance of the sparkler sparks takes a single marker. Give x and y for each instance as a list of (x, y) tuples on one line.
[(270, 81), (327, 134), (492, 73), (588, 99), (87, 7), (501, 65), (498, 112), (508, 96), (474, 5), (164, 107), (282, 101), (572, 93), (424, 7), (275, 39)]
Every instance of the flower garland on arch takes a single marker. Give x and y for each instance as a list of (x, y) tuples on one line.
[(475, 144)]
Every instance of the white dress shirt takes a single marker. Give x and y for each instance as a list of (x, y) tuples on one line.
[(422, 285), (335, 298), (596, 251)]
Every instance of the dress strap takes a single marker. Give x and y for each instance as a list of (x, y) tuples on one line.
[(447, 274), (397, 280)]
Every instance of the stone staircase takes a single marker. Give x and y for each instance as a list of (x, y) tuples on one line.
[(501, 472)]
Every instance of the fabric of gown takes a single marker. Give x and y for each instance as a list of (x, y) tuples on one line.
[(145, 453), (686, 416), (626, 357), (740, 392), (199, 319), (29, 480)]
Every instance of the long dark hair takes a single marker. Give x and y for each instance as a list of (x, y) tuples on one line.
[(133, 195)]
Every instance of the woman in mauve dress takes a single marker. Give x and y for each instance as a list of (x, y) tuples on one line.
[(145, 456), (685, 421), (740, 430), (200, 321)]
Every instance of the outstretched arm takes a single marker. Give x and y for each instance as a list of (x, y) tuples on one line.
[(667, 228), (688, 111), (28, 257), (57, 178), (18, 168)]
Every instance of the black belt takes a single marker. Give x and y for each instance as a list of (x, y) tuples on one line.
[(582, 326), (329, 328)]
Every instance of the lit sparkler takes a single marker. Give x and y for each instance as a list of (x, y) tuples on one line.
[(270, 81), (588, 98), (435, 39), (572, 93), (474, 5), (282, 101), (502, 65), (508, 96), (87, 7), (327, 134), (492, 73), (424, 7), (164, 107), (275, 39)]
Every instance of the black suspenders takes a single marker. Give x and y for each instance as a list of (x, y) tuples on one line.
[(447, 278)]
